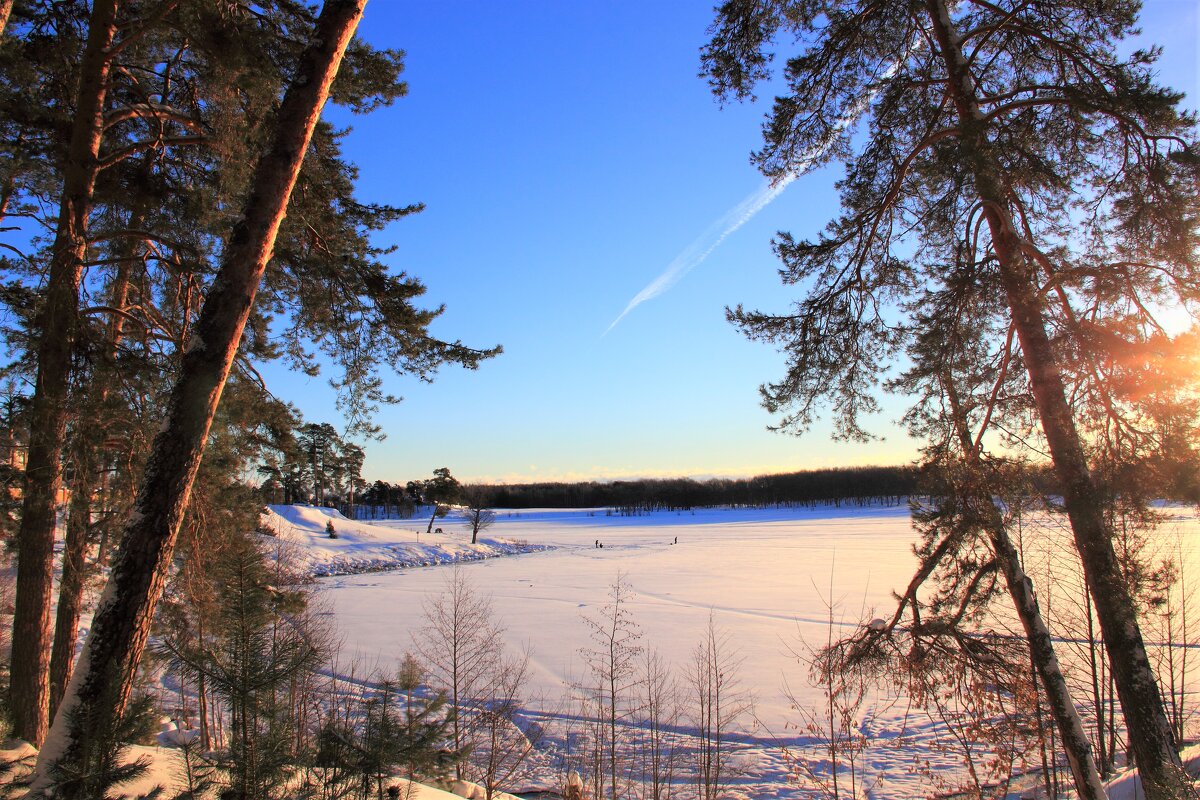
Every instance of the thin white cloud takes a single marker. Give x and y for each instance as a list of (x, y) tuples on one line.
[(695, 253)]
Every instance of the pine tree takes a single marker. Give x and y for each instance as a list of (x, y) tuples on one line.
[(183, 129), (1009, 138), (960, 384), (320, 442), (30, 685), (255, 650), (440, 490), (112, 114), (100, 687), (359, 753), (185, 120)]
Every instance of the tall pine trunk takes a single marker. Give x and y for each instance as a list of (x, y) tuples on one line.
[(1041, 645), (74, 576), (1150, 734), (1041, 649), (89, 443), (57, 324), (103, 679)]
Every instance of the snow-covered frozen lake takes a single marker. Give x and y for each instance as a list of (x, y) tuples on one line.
[(767, 577), (764, 575)]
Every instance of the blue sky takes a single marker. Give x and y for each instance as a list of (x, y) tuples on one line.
[(567, 154)]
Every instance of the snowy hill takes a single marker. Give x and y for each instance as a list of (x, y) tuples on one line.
[(166, 770), (375, 546)]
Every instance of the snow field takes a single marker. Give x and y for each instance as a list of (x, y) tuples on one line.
[(764, 575), (772, 579)]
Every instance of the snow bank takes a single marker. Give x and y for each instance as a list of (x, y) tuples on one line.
[(16, 762), (473, 791), (419, 791), (165, 769), (1129, 785), (359, 546)]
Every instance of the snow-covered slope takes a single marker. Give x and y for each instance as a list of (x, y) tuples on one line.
[(165, 769), (1129, 785), (375, 546)]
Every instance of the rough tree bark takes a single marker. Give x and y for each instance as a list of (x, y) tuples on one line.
[(88, 460), (1150, 734), (103, 679), (1075, 742), (29, 691), (5, 11), (74, 569)]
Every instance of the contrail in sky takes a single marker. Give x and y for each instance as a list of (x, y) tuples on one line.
[(695, 253), (705, 243)]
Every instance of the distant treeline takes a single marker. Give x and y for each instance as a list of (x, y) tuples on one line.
[(850, 485), (858, 486)]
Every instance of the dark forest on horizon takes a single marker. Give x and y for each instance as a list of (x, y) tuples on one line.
[(837, 486), (872, 485), (851, 485)]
